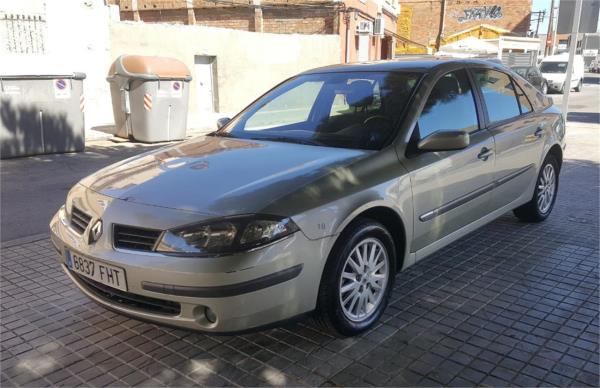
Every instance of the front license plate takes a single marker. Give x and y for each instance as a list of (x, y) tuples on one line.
[(106, 274)]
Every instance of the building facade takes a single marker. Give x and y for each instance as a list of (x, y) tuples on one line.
[(424, 22), (367, 28)]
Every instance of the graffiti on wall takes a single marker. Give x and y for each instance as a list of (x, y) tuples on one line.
[(488, 12)]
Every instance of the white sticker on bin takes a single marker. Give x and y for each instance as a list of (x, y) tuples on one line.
[(62, 89)]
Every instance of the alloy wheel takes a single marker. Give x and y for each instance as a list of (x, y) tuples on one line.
[(364, 279), (546, 188)]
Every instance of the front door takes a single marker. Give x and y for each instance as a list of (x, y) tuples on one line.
[(518, 133), (363, 48), (451, 189), (203, 80)]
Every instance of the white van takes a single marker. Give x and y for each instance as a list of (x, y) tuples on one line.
[(554, 70)]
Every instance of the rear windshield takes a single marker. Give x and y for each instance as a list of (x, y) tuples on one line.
[(522, 71), (553, 67), (350, 110)]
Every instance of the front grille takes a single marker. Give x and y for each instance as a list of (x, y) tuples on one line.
[(79, 220), (152, 305), (130, 237)]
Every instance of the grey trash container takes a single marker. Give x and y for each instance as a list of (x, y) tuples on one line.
[(41, 114), (149, 97)]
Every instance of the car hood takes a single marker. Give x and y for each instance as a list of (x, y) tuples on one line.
[(220, 176)]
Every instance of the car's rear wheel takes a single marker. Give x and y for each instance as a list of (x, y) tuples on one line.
[(579, 86), (544, 88), (546, 188), (357, 279)]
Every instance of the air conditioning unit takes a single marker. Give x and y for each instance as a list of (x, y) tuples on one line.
[(379, 26), (364, 27)]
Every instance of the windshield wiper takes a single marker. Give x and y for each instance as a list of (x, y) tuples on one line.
[(289, 140), (219, 134)]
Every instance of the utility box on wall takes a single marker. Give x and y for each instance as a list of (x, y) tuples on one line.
[(41, 114), (150, 97)]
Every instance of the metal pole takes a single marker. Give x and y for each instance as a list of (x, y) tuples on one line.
[(549, 33), (572, 48), (540, 17), (554, 31)]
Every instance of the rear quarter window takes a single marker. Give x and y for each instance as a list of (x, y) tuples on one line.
[(538, 100)]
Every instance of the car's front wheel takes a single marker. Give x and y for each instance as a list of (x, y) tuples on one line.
[(546, 188), (544, 88), (357, 279), (579, 86)]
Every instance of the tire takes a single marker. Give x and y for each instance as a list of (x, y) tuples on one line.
[(354, 317), (579, 86), (562, 89), (538, 209), (544, 88)]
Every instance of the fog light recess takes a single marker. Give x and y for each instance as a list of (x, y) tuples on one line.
[(205, 316), (210, 315)]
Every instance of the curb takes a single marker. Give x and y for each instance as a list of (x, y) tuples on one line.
[(24, 240)]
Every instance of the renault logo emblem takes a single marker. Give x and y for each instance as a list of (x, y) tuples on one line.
[(95, 232)]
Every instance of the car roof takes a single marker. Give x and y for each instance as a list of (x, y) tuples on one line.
[(412, 63)]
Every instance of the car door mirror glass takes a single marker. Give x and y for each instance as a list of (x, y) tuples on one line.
[(222, 122), (445, 141)]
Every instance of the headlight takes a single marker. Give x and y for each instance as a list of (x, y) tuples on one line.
[(224, 236)]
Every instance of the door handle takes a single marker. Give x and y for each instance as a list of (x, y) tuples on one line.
[(484, 154), (539, 132)]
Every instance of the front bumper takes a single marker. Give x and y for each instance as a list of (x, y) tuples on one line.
[(554, 85), (243, 291)]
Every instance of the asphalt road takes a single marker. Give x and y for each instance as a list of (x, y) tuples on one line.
[(33, 188), (584, 106)]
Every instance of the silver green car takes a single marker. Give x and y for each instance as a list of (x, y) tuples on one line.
[(311, 199)]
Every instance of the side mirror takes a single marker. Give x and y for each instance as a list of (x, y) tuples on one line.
[(445, 141), (222, 122)]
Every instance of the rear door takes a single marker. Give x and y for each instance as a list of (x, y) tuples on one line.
[(451, 189), (518, 135)]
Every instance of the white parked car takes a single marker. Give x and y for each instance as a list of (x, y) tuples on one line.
[(554, 70)]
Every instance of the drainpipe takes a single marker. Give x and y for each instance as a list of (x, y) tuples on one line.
[(438, 41), (347, 21)]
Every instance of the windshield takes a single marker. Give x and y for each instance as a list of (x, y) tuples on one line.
[(553, 67), (349, 110)]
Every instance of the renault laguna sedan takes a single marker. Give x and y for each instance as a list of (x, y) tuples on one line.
[(312, 198)]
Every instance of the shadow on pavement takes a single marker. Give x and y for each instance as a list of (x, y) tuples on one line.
[(584, 117)]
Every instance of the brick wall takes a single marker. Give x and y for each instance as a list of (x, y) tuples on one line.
[(176, 16), (299, 21), (513, 15), (285, 20), (239, 18)]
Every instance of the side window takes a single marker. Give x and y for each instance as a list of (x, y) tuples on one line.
[(523, 100), (449, 107), (498, 94)]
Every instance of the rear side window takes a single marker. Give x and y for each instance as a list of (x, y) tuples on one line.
[(498, 93), (450, 106)]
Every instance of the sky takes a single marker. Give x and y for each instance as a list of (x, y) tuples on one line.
[(540, 5)]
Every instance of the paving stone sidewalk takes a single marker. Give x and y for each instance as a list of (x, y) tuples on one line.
[(511, 304)]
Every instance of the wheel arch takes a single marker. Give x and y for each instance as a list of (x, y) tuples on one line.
[(557, 152), (391, 220)]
